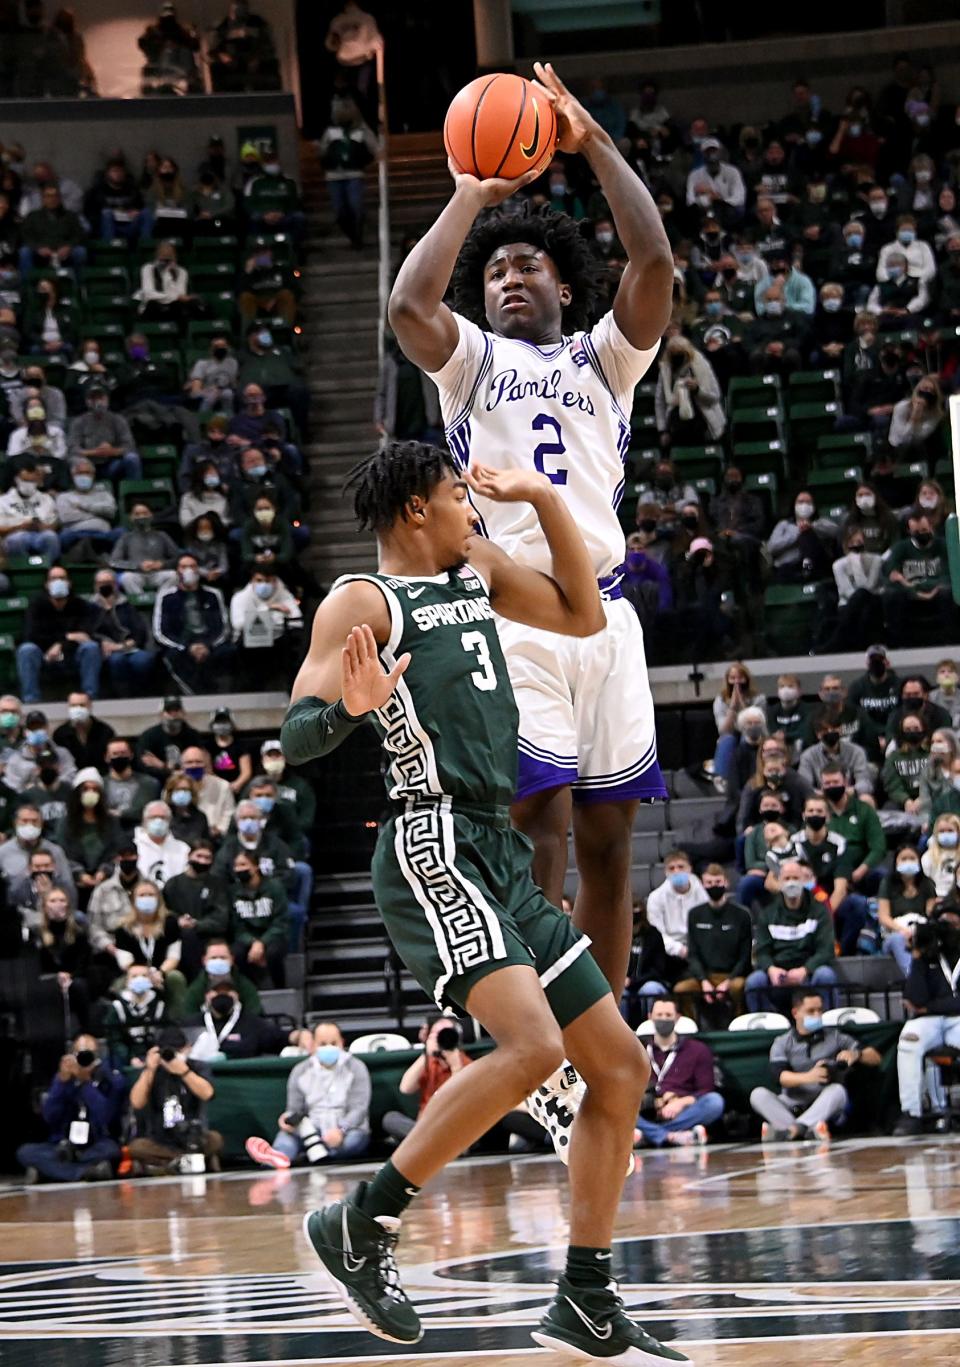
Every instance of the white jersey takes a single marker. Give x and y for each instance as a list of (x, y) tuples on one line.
[(563, 410)]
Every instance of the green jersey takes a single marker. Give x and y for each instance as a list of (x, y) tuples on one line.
[(450, 728)]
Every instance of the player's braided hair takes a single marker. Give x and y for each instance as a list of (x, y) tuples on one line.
[(383, 484), (554, 233)]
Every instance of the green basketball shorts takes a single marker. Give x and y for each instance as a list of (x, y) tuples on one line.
[(458, 900)]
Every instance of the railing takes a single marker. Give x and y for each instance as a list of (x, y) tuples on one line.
[(383, 215)]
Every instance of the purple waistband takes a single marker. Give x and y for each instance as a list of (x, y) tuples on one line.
[(609, 585)]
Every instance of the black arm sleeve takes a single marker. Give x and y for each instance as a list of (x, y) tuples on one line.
[(313, 728)]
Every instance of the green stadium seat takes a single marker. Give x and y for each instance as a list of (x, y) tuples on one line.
[(858, 444), (82, 575), (767, 489), (808, 421), (760, 457), (161, 331), (906, 478), (812, 386), (757, 424), (943, 473), (157, 493), (12, 613), (643, 398), (695, 462), (834, 486), (789, 614), (705, 487), (115, 253), (753, 391), (143, 601), (27, 573), (9, 681), (159, 461), (223, 247), (643, 426), (146, 248)]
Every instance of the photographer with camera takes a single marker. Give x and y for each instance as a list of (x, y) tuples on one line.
[(808, 1065), (932, 994), (441, 1058), (328, 1107), (82, 1109), (169, 1100)]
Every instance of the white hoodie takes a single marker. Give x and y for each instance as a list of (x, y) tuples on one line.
[(668, 911)]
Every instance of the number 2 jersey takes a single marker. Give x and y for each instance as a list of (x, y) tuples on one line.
[(450, 728), (562, 409)]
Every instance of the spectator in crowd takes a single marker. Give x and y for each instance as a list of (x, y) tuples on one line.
[(25, 759), (915, 701), (36, 440), (649, 970), (49, 792), (918, 577), (86, 511), (206, 540), (407, 403), (682, 1096), (794, 942), (59, 630), (775, 778), (229, 1031), (825, 851), (82, 1111), (916, 424), (128, 790), (936, 781), (169, 49), (328, 1107), (857, 822), (28, 517), (872, 518), (737, 516), (931, 991), (213, 378), (933, 501), (122, 635), (719, 945), (670, 904), (939, 861), (160, 855), (265, 539), (912, 249), (833, 708), (271, 200), (266, 594), (346, 148), (790, 713), (63, 953), (259, 917), (52, 235), (858, 574), (144, 558), (804, 1063), (752, 731), (831, 749), (104, 438), (191, 628), (160, 747), (187, 822), (646, 580), (874, 694), (801, 547), (88, 833), (689, 404), (242, 55), (111, 906), (164, 294), (150, 935), (266, 364), (82, 734), (169, 1101), (443, 1056), (198, 899), (738, 692), (114, 205), (766, 846), (266, 288), (292, 787), (36, 389), (230, 755), (215, 797), (133, 1018), (717, 184), (899, 295), (217, 965), (903, 767), (907, 897)]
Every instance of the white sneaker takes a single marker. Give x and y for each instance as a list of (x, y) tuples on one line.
[(554, 1105)]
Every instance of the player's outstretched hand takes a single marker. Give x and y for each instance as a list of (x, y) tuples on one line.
[(574, 125), (494, 190), (364, 686), (507, 486)]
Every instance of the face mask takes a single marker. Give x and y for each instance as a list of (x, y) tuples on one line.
[(831, 738), (774, 307), (558, 187), (690, 522), (906, 236), (939, 748), (127, 867), (49, 776), (928, 501), (715, 892), (774, 777), (78, 714), (923, 538), (856, 549), (220, 352), (680, 882), (105, 590), (265, 338), (172, 726), (59, 588), (140, 984), (908, 868), (145, 905), (947, 840), (812, 137), (189, 578), (89, 799), (804, 511), (265, 803), (92, 357), (211, 482), (204, 537), (142, 524), (665, 1028), (256, 471), (199, 868), (274, 767), (264, 590), (119, 763), (812, 1024), (878, 207), (753, 732), (83, 482), (222, 1004), (26, 487), (833, 794), (326, 1055), (138, 352), (832, 305), (866, 503), (8, 720), (792, 887), (243, 875), (195, 771), (604, 238), (265, 516), (714, 308), (181, 797), (648, 525), (217, 968), (36, 738), (912, 703), (28, 832), (222, 728), (911, 737), (815, 823), (158, 826), (854, 241), (788, 696), (249, 826)]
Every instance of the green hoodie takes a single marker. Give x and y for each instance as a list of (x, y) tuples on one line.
[(794, 937)]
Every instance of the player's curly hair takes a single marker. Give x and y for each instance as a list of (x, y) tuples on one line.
[(554, 233), (383, 484)]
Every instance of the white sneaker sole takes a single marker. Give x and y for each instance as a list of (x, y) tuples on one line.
[(346, 1295), (633, 1357)]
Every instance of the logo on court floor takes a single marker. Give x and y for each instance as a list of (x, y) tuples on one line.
[(904, 1276)]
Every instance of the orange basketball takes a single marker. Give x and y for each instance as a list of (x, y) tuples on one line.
[(500, 125)]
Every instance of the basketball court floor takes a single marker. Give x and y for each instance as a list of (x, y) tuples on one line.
[(792, 1255)]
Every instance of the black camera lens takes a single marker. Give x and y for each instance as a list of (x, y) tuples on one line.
[(85, 1057), (168, 1054), (448, 1038)]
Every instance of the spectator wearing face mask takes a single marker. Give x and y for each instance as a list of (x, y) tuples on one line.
[(28, 517), (230, 754), (23, 763), (198, 899), (228, 1031), (259, 919), (292, 788), (719, 945), (143, 557), (150, 935), (919, 581), (670, 904), (191, 627), (794, 942), (774, 339), (870, 516), (773, 775), (853, 264), (906, 898), (263, 362), (160, 854), (37, 389), (940, 859), (931, 989), (871, 395), (904, 765), (766, 845), (802, 547), (328, 1107), (914, 700), (88, 833), (87, 509), (160, 747), (936, 781), (133, 1019), (214, 795), (898, 294), (110, 906), (716, 184), (832, 326), (790, 713), (187, 822), (830, 748), (832, 707), (249, 834), (682, 1100), (820, 845), (217, 964), (85, 736), (127, 790), (688, 401), (859, 578), (213, 378), (59, 638), (916, 423), (802, 1062), (272, 201), (946, 694), (103, 437), (921, 264), (650, 970), (266, 289), (122, 636), (82, 1111)]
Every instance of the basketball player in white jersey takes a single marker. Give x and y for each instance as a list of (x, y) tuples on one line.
[(523, 386)]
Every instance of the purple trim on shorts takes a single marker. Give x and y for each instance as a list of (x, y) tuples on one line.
[(536, 775), (647, 785)]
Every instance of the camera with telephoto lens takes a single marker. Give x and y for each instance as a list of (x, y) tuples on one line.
[(168, 1054), (448, 1039), (308, 1134), (85, 1057), (836, 1067), (189, 1136)]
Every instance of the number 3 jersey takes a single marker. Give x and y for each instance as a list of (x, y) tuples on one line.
[(562, 409), (450, 728)]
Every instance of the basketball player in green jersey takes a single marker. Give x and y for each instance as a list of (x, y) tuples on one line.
[(414, 650)]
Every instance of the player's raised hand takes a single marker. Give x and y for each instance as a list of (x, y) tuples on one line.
[(363, 685), (507, 486), (494, 190), (574, 125)]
